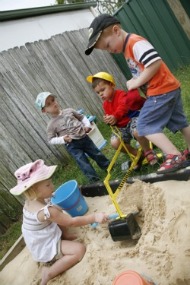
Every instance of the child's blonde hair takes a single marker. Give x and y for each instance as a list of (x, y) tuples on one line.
[(106, 32), (31, 194)]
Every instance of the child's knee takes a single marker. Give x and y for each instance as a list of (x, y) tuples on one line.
[(135, 134), (115, 142), (80, 252)]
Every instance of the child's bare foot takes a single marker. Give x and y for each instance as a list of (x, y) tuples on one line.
[(45, 276)]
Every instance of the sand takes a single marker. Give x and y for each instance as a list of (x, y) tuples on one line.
[(162, 253)]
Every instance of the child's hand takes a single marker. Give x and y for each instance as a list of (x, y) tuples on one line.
[(132, 84), (67, 138), (110, 119), (101, 217), (106, 119), (87, 129)]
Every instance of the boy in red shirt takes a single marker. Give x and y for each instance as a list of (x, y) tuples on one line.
[(121, 109)]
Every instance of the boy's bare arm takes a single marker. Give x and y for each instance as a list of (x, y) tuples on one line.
[(145, 76)]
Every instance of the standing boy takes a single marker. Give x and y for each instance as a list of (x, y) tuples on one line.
[(163, 107), (70, 128)]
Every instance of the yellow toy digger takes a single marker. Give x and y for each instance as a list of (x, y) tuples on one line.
[(124, 226)]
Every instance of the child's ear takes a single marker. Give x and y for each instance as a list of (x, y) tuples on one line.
[(116, 29)]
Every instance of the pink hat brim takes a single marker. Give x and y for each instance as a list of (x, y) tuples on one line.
[(26, 184)]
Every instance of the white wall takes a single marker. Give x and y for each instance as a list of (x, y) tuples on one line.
[(18, 32), (6, 5)]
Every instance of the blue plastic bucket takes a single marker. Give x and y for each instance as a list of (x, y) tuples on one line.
[(70, 199)]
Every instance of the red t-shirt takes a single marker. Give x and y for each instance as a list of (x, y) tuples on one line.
[(124, 106)]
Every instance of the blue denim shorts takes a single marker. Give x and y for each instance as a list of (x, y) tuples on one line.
[(127, 132), (162, 111)]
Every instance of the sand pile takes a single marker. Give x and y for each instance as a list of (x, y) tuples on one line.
[(162, 253)]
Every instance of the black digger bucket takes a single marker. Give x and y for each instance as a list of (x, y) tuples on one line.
[(124, 228)]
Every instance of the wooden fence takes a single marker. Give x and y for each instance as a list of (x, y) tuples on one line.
[(60, 66)]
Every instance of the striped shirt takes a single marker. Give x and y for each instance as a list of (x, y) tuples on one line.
[(140, 54)]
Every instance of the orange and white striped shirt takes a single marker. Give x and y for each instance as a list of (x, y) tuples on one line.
[(139, 54)]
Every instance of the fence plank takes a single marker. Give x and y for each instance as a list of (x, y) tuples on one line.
[(56, 65)]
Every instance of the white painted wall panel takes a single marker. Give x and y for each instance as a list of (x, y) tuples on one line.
[(18, 32)]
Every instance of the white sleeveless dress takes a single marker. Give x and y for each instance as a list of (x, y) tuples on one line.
[(41, 238)]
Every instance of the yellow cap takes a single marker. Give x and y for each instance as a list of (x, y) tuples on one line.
[(101, 75)]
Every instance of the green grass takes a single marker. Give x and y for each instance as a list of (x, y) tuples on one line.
[(9, 238), (71, 171)]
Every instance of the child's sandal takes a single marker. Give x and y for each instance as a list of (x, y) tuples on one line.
[(172, 163), (186, 154), (151, 157)]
